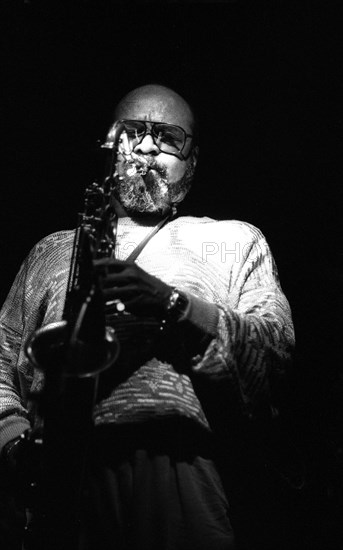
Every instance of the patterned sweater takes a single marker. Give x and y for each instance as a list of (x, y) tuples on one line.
[(235, 300)]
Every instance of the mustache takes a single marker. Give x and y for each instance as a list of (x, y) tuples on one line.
[(143, 164)]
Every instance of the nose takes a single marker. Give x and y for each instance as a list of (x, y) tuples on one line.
[(147, 146)]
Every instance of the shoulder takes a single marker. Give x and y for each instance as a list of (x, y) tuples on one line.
[(55, 240), (59, 238), (55, 246), (230, 230)]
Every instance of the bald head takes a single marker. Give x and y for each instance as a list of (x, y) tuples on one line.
[(158, 104), (167, 170)]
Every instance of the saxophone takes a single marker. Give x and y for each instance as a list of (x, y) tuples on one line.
[(72, 353)]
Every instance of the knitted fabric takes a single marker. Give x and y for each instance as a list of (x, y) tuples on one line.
[(226, 269)]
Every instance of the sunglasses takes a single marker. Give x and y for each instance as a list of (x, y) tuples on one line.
[(169, 138)]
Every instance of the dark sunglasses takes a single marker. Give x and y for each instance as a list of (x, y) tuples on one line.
[(169, 138)]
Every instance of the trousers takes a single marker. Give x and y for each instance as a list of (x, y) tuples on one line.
[(154, 487)]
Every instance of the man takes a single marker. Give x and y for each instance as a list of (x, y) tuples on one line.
[(205, 330)]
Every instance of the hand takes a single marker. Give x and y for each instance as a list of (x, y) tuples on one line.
[(141, 293), (22, 459)]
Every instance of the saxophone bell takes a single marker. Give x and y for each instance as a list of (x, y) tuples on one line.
[(50, 345)]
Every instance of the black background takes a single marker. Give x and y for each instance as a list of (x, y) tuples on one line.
[(265, 79)]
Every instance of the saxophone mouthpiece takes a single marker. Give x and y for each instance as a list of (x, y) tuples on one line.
[(142, 166), (138, 166)]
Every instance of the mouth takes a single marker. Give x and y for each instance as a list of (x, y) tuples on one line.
[(151, 177), (147, 173)]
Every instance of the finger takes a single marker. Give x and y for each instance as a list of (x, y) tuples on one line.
[(118, 279), (120, 292), (138, 307), (110, 264), (119, 305), (120, 297)]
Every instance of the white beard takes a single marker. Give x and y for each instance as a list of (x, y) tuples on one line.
[(142, 187)]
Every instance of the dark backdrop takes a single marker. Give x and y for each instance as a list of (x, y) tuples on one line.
[(264, 77)]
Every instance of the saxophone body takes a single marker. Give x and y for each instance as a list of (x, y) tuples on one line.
[(72, 353)]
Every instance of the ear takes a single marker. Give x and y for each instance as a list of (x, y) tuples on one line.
[(194, 156)]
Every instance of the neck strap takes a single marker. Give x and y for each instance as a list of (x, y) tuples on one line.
[(135, 253)]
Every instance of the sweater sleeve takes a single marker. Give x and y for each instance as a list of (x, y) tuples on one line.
[(249, 345), (36, 298), (13, 413)]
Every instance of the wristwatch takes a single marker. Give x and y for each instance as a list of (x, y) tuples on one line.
[(176, 305)]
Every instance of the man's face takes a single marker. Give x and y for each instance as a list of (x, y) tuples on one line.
[(148, 180)]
